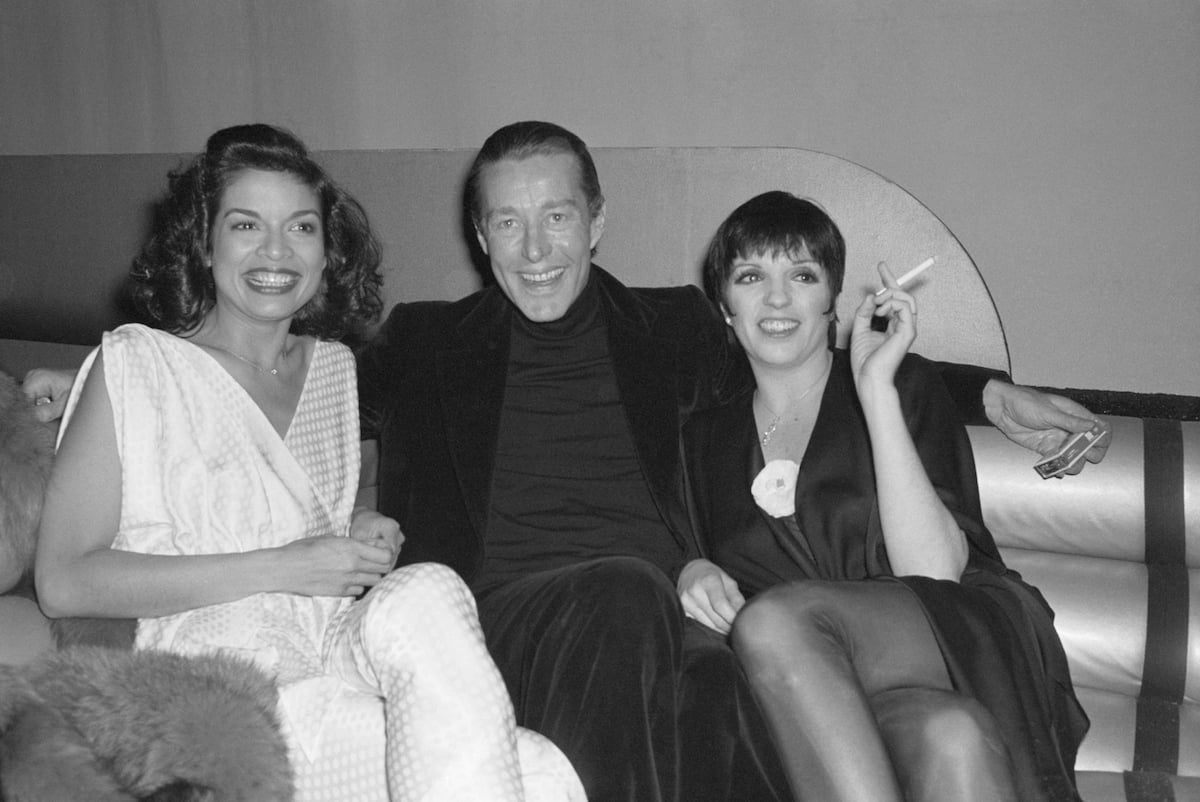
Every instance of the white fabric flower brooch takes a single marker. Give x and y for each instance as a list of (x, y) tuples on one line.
[(774, 488)]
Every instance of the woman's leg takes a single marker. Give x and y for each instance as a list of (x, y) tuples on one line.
[(945, 747), (816, 653), (347, 758), (415, 641)]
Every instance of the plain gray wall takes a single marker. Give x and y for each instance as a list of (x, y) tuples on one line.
[(1060, 141)]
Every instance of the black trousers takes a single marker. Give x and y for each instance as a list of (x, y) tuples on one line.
[(648, 705)]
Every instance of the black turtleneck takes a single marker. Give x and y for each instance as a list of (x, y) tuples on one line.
[(567, 486)]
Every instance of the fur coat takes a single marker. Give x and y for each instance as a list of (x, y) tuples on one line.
[(26, 452), (104, 725)]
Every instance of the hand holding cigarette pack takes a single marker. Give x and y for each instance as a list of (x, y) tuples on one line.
[(1067, 457)]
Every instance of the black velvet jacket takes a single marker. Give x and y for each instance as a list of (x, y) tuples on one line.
[(431, 389)]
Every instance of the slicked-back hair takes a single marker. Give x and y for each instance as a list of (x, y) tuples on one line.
[(521, 140), (173, 287)]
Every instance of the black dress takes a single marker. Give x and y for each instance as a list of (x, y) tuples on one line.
[(996, 632)]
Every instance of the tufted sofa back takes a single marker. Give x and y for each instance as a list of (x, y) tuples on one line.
[(1116, 552)]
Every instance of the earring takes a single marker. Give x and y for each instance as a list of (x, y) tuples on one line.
[(832, 335)]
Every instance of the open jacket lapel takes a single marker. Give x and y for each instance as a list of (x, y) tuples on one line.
[(647, 369), (471, 376)]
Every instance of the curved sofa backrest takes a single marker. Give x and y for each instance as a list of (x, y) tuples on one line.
[(698, 187), (61, 283)]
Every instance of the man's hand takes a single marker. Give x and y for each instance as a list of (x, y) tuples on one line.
[(48, 390), (709, 595), (1041, 422), (376, 528)]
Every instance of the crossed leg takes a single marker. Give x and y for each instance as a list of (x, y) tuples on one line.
[(858, 699), (415, 641)]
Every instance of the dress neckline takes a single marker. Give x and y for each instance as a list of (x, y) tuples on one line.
[(249, 399)]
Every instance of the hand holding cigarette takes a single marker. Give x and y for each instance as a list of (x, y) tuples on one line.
[(884, 329), (910, 275)]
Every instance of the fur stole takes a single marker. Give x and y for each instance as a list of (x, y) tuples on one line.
[(99, 724), (26, 452), (26, 457)]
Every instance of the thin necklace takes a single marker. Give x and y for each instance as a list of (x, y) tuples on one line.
[(269, 371), (770, 430)]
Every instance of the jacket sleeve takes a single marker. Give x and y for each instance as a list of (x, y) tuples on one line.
[(726, 373), (945, 449), (965, 384), (379, 367)]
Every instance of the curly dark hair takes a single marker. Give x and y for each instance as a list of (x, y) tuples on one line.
[(173, 286)]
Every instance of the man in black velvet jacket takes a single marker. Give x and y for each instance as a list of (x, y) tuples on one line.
[(528, 437)]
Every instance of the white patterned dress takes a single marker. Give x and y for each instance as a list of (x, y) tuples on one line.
[(393, 697)]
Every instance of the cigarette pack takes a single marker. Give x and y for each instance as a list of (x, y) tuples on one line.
[(1070, 454)]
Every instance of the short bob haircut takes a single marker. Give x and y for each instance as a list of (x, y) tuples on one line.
[(774, 223), (173, 286), (520, 141)]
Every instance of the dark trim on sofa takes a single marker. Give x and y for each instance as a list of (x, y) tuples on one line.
[(1133, 405), (1164, 670), (1148, 786)]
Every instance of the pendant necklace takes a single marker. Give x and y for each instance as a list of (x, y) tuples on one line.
[(266, 371), (770, 430)]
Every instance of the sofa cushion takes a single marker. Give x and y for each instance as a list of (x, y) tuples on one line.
[(1116, 552), (1102, 512)]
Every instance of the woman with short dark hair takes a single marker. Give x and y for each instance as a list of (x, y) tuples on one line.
[(893, 653)]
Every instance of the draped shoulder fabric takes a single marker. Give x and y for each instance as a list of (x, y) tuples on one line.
[(995, 631), (203, 472)]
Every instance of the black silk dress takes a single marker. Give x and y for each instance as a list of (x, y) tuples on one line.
[(995, 631)]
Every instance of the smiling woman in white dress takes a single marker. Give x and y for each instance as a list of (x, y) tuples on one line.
[(205, 484)]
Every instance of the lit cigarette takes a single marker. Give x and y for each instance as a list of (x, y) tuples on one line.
[(910, 275)]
